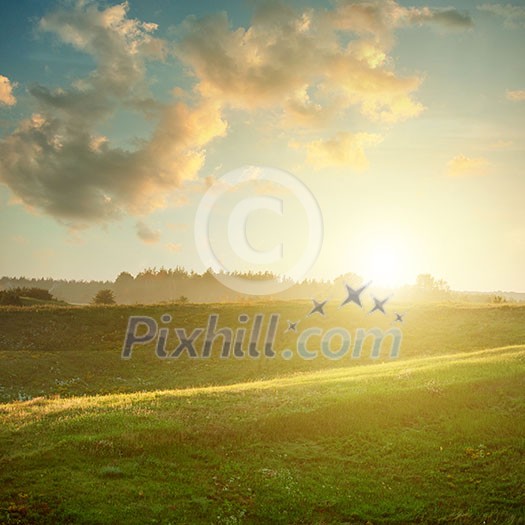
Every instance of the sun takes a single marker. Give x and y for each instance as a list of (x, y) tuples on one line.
[(386, 262)]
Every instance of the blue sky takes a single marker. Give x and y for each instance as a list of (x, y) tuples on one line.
[(405, 121)]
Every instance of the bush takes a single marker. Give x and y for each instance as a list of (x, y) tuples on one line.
[(35, 293), (105, 296), (10, 297)]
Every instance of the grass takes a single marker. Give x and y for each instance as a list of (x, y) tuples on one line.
[(436, 436), (32, 301)]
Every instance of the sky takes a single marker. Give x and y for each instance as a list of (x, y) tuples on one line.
[(376, 137)]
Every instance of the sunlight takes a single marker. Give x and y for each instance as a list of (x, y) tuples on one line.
[(385, 265), (387, 262)]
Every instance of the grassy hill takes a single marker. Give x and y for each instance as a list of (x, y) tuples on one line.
[(436, 436)]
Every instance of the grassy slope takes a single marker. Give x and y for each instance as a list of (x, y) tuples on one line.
[(76, 350), (435, 435)]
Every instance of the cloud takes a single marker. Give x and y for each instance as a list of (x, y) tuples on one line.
[(513, 15), (379, 93), (344, 149), (77, 177), (380, 17), (55, 161), (6, 92), (310, 64), (146, 234), (118, 43), (462, 165), (248, 68), (89, 105), (447, 17), (307, 66), (174, 247), (300, 110), (516, 95)]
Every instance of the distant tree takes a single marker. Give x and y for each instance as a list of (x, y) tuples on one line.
[(124, 285), (427, 283), (104, 296), (498, 299), (431, 289), (182, 299), (442, 286), (10, 297), (124, 279)]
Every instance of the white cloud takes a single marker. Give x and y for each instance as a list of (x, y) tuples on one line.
[(6, 92)]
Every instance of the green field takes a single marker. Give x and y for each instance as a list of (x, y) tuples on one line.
[(435, 436)]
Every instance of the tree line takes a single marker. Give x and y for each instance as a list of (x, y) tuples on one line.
[(178, 285)]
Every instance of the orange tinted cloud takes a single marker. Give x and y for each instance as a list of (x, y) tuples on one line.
[(516, 95), (461, 165), (6, 92), (295, 59), (344, 149), (57, 162)]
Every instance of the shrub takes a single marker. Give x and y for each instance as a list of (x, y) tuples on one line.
[(10, 297), (105, 296), (35, 293)]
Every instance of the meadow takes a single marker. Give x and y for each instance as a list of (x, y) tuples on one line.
[(434, 436)]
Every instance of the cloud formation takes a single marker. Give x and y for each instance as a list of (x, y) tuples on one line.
[(516, 95), (312, 65), (308, 66), (380, 17), (118, 43), (146, 234), (77, 177), (513, 15), (447, 17), (344, 149), (461, 165), (297, 60), (6, 92), (56, 162)]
